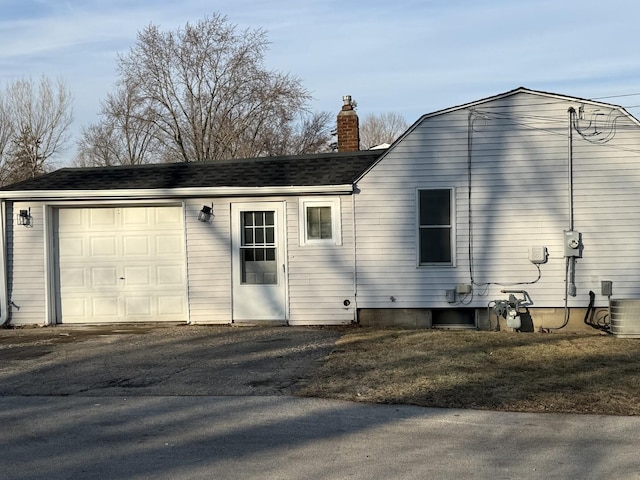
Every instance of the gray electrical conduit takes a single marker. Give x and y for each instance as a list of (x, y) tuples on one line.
[(567, 312), (568, 260)]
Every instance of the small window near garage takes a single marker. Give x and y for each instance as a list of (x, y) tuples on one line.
[(436, 226), (320, 221)]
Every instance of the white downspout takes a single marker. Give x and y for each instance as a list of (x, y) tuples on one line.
[(4, 295), (355, 258)]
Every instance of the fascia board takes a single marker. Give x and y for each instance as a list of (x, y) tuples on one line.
[(176, 192)]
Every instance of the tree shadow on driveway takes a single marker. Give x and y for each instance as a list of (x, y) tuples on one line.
[(177, 360)]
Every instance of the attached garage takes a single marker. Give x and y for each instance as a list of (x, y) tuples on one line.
[(192, 242), (119, 264)]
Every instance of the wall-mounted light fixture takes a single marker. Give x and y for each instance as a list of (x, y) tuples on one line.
[(24, 218), (206, 214)]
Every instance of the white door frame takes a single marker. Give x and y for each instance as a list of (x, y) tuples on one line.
[(259, 302)]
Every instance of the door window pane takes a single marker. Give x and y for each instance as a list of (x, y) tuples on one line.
[(258, 250), (248, 236), (269, 218)]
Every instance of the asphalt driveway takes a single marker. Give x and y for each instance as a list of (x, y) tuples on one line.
[(175, 402), (160, 360)]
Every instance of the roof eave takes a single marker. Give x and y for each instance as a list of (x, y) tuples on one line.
[(157, 193)]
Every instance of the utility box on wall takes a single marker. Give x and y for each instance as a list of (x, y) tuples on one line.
[(572, 243)]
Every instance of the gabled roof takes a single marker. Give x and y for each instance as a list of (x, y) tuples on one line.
[(482, 101), (318, 172)]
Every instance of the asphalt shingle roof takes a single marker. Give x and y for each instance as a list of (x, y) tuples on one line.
[(296, 170)]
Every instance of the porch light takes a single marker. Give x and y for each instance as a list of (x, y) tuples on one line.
[(206, 214), (24, 218)]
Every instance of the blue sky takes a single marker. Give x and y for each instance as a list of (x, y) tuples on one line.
[(406, 56)]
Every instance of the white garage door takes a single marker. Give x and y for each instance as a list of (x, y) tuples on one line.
[(124, 264)]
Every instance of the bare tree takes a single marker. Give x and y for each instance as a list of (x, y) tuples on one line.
[(207, 91), (377, 129), (98, 146), (125, 135), (310, 133), (6, 136), (40, 116)]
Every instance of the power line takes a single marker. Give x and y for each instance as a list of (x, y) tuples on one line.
[(618, 96)]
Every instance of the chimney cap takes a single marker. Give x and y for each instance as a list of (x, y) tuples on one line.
[(347, 101)]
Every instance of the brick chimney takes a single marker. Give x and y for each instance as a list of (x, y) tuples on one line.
[(348, 127)]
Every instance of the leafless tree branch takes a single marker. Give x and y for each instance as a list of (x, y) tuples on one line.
[(377, 129)]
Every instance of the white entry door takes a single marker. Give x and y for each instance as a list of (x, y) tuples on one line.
[(258, 261), (120, 264)]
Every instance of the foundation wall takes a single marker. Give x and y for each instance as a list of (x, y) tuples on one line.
[(535, 320)]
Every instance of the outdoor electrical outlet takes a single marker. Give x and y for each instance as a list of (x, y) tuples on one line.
[(606, 288), (463, 289)]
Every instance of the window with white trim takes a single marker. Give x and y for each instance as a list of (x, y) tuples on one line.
[(436, 220), (320, 221)]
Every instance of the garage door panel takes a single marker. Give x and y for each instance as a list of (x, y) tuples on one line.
[(103, 246), (72, 277), (168, 218), (137, 306), (136, 245), (105, 306), (137, 217), (169, 245), (71, 246), (137, 276), (170, 305), (169, 275), (121, 265), (100, 217), (71, 217), (104, 277), (74, 307)]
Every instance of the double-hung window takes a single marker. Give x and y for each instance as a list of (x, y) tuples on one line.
[(436, 226), (320, 221)]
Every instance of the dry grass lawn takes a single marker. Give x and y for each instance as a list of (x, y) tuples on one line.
[(526, 372)]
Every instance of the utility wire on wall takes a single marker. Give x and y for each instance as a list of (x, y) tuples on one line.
[(471, 118)]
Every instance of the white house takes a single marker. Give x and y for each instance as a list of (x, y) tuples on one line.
[(527, 193)]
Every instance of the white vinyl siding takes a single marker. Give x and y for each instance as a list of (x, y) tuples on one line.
[(26, 283), (321, 275), (209, 262), (519, 199)]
